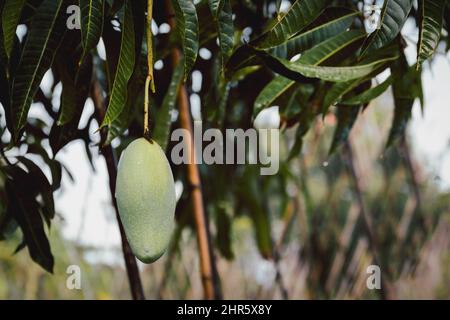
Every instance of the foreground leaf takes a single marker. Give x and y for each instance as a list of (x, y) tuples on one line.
[(314, 57), (327, 29), (346, 118), (187, 29), (25, 210), (10, 18), (124, 70), (300, 14), (91, 23), (39, 50), (431, 21), (393, 16)]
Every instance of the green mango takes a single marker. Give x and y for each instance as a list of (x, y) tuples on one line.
[(145, 194)]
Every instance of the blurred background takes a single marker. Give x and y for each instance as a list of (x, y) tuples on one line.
[(315, 215)]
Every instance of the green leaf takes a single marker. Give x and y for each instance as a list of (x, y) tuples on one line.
[(306, 40), (135, 100), (4, 93), (73, 98), (10, 18), (91, 12), (25, 210), (315, 56), (320, 53), (250, 189), (214, 6), (225, 31), (393, 15), (54, 166), (339, 89), (125, 68), (406, 89), (346, 118), (431, 21), (187, 29), (300, 14), (39, 50), (271, 92), (332, 74), (369, 95), (306, 116), (224, 230), (42, 185), (163, 118)]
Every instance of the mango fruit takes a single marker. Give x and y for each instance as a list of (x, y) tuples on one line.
[(145, 194)]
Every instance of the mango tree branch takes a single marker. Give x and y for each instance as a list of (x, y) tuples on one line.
[(386, 292), (130, 261)]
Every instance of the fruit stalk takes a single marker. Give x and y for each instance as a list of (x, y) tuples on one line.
[(149, 82)]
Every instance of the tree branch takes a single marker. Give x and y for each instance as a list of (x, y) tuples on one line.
[(385, 292)]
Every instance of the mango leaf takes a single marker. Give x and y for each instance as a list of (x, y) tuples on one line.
[(431, 22), (271, 92), (187, 29), (406, 89), (250, 189), (300, 14), (137, 80), (125, 68), (300, 71), (337, 24), (369, 95), (10, 18), (4, 93), (393, 15), (214, 6), (327, 49), (54, 166), (25, 210), (73, 99), (163, 118), (44, 37), (225, 31), (346, 118), (41, 184), (315, 56), (91, 12), (216, 99), (75, 82), (306, 116), (340, 89)]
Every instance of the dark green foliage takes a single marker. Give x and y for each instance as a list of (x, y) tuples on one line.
[(250, 69)]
